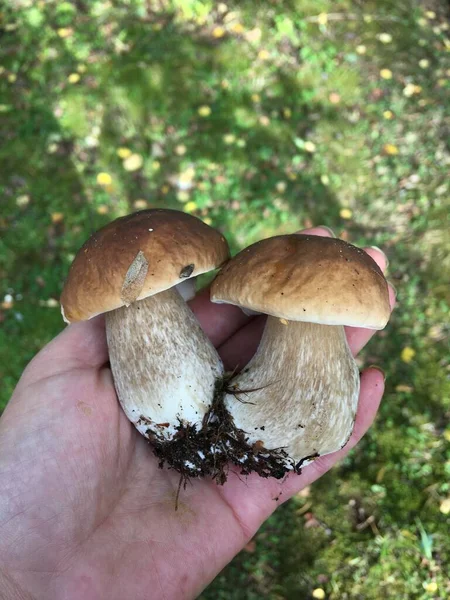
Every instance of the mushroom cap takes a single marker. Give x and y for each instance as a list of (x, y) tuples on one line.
[(306, 278), (137, 256)]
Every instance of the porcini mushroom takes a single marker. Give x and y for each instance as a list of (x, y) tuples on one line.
[(164, 367), (297, 397)]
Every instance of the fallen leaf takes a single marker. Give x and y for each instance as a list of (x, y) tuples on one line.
[(345, 213), (104, 179), (407, 354), (133, 162)]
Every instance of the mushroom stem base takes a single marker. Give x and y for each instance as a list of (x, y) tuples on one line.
[(211, 449)]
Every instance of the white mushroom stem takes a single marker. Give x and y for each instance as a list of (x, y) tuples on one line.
[(300, 390), (164, 366)]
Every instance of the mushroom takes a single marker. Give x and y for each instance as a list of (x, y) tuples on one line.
[(134, 270), (297, 398)]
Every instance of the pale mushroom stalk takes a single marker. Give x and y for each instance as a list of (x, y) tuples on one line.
[(303, 390), (163, 364)]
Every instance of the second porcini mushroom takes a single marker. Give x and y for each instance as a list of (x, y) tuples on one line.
[(134, 269), (297, 398)]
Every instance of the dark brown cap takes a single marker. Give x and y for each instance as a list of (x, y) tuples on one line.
[(306, 278), (138, 256)]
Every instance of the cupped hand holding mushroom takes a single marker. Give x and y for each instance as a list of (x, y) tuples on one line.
[(297, 398), (135, 270)]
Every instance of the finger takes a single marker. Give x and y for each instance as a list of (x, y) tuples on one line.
[(239, 349), (219, 321), (79, 346), (357, 337)]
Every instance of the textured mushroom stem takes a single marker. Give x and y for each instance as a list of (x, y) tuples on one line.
[(164, 366), (302, 390)]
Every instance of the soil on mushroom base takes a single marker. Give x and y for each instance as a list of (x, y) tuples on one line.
[(208, 451)]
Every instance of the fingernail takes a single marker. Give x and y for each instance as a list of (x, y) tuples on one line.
[(390, 284), (378, 369), (330, 231), (381, 252)]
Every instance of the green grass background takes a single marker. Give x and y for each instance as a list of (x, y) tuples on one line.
[(261, 118)]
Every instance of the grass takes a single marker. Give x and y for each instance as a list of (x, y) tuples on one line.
[(260, 118)]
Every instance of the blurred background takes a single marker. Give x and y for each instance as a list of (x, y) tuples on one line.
[(260, 118)]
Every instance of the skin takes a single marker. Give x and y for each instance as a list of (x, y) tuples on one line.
[(84, 510)]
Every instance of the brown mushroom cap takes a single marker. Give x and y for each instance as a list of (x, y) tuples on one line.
[(137, 256), (306, 278)]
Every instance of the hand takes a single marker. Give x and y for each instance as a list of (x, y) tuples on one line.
[(85, 512)]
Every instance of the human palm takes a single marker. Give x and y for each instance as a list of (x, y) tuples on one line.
[(85, 511)]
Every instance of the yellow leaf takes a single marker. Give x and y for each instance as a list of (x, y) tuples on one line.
[(104, 179), (133, 162), (207, 220), (431, 587), (283, 321), (322, 19), (229, 138), (424, 63), (73, 78), (180, 149), (309, 147), (390, 149), (165, 189), (183, 196), (334, 98), (12, 77), (385, 38), (190, 207), (388, 114), (445, 506), (22, 200), (447, 435), (411, 89), (407, 354), (57, 217), (318, 594), (218, 32), (345, 213), (263, 55), (204, 111), (386, 73), (325, 179), (123, 152), (256, 97), (140, 204), (187, 176), (361, 49), (64, 32), (102, 209), (404, 388), (287, 113), (238, 28)]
